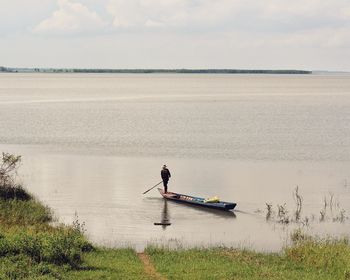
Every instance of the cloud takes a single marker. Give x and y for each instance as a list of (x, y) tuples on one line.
[(277, 17), (170, 13), (321, 38), (184, 13), (306, 23), (71, 17), (17, 15)]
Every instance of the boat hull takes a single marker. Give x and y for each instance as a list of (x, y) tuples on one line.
[(198, 201)]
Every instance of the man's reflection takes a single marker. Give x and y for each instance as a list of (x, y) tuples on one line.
[(165, 215)]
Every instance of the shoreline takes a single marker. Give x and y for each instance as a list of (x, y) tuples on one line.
[(55, 191), (308, 257), (33, 247)]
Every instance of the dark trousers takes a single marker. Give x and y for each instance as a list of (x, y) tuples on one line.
[(165, 184)]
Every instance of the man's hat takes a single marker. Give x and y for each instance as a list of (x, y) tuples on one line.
[(164, 166)]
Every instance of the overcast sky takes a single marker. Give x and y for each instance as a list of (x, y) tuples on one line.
[(247, 34)]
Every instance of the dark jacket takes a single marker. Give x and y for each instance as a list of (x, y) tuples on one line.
[(165, 174)]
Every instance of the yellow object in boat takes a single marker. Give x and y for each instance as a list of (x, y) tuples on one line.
[(212, 200)]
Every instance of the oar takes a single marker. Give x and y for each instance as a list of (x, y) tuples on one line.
[(152, 187)]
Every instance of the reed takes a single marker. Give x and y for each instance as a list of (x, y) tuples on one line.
[(330, 211)]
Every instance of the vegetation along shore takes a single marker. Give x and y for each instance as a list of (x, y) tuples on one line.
[(33, 245), (152, 71)]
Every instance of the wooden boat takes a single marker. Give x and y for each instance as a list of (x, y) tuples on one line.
[(221, 205)]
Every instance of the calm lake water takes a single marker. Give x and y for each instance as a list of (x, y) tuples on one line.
[(91, 144)]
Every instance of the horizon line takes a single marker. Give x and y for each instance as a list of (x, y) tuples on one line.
[(151, 70)]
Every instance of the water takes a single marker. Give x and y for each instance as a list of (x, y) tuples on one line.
[(91, 144)]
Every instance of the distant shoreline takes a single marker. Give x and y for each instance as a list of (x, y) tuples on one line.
[(150, 71)]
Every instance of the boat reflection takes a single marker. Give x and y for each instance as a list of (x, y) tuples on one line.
[(165, 218)]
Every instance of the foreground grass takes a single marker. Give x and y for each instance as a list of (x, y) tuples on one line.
[(306, 259), (109, 264), (98, 264)]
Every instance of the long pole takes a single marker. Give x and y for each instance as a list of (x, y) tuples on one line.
[(152, 187)]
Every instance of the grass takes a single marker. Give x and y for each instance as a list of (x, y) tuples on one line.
[(24, 213), (312, 259), (109, 264), (32, 248), (29, 245)]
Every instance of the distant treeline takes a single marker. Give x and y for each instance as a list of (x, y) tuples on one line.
[(4, 69), (192, 71), (148, 71)]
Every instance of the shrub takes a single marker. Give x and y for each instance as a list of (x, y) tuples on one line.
[(8, 167), (21, 213), (8, 192), (58, 246)]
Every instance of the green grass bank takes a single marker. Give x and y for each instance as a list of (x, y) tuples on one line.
[(32, 246)]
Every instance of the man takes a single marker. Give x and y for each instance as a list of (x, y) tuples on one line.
[(165, 174)]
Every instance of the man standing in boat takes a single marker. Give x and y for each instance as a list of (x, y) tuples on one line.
[(165, 174)]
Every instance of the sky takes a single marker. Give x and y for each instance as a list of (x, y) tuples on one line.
[(240, 34)]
